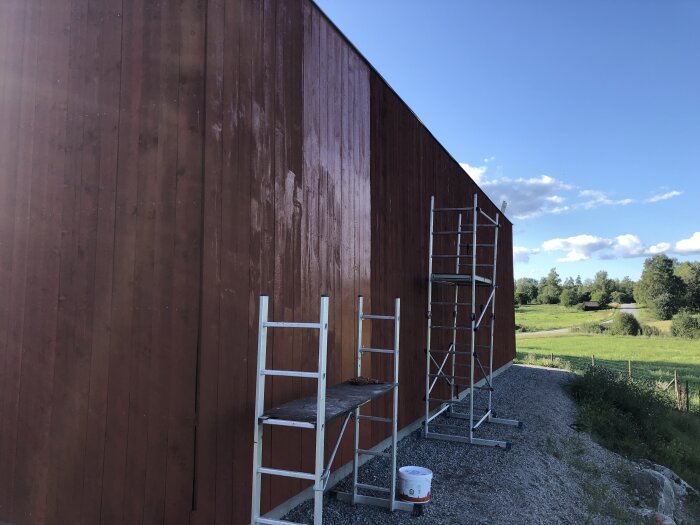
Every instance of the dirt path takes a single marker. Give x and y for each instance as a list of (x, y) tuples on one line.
[(553, 474), (544, 332), (629, 309)]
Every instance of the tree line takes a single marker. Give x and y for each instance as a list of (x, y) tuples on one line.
[(666, 286)]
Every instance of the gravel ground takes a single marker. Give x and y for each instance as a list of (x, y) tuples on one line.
[(553, 474)]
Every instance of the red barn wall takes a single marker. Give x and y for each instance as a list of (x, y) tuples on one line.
[(162, 164)]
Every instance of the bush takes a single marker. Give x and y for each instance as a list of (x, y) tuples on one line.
[(590, 328), (635, 418), (625, 324), (650, 331), (685, 325)]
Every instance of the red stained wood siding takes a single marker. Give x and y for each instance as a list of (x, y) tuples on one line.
[(164, 164)]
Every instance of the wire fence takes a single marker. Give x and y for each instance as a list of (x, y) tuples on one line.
[(672, 381)]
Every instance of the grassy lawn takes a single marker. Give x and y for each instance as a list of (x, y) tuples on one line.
[(652, 357), (537, 317)]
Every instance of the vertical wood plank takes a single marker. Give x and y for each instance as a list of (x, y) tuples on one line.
[(105, 25), (187, 265)]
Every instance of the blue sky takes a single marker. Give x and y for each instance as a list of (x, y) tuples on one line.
[(584, 116)]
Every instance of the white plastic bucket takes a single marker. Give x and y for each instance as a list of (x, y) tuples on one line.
[(414, 484)]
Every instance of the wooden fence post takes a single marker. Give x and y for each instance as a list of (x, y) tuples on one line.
[(592, 360), (629, 368), (687, 397)]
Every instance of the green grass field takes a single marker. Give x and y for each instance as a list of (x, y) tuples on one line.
[(652, 357), (645, 316), (536, 317)]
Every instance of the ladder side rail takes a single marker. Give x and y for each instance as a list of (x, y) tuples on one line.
[(358, 373), (259, 407), (453, 391), (321, 412), (429, 314), (493, 305), (473, 317), (395, 415)]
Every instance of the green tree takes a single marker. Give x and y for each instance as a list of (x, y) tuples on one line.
[(689, 272), (569, 297), (659, 287), (602, 288), (525, 290), (550, 288), (626, 289)]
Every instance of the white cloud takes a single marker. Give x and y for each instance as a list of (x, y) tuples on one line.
[(544, 195), (629, 245), (658, 248), (475, 172), (522, 254), (578, 247), (664, 196), (582, 247), (527, 197), (688, 246), (595, 198), (535, 196)]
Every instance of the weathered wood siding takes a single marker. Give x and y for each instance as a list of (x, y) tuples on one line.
[(162, 164)]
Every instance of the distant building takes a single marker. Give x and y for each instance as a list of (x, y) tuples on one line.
[(590, 305)]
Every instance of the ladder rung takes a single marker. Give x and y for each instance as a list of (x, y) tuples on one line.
[(450, 376), (371, 487), (376, 418), (386, 317), (289, 373), (376, 350), (470, 264), (462, 256), (452, 232), (447, 303), (286, 423), (453, 209), (451, 352), (449, 401), (286, 473), (458, 327), (270, 521), (282, 324), (448, 425), (373, 453)]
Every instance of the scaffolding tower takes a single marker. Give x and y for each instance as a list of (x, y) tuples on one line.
[(449, 364), (316, 411)]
